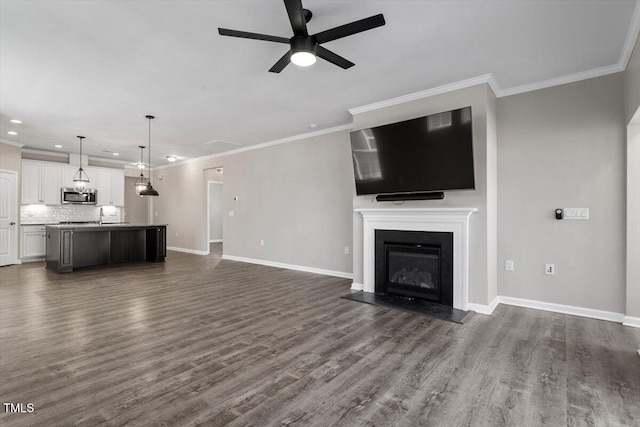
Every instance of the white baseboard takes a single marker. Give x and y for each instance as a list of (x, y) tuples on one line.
[(484, 309), (357, 286), (189, 251), (215, 241), (290, 266), (633, 322), (564, 309), (32, 259)]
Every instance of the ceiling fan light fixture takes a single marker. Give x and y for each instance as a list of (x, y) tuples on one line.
[(303, 51), (303, 59)]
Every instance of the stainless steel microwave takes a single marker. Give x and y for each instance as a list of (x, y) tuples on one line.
[(70, 196)]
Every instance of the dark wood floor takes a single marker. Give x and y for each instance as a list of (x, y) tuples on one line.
[(197, 340)]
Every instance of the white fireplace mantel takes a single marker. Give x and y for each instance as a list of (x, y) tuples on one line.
[(453, 220)]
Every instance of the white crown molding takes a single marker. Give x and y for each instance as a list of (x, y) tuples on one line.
[(109, 160), (13, 144), (474, 81), (632, 36), (332, 273), (557, 81), (45, 153), (299, 137)]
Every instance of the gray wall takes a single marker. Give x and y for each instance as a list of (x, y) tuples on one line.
[(10, 158), (215, 211), (297, 197), (482, 103), (563, 147), (632, 83), (136, 208)]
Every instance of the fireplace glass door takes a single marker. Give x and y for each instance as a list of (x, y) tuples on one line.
[(413, 271)]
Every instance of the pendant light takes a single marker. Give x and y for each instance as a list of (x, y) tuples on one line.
[(148, 190), (141, 182), (80, 179)]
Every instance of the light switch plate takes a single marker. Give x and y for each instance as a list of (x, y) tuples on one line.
[(576, 213)]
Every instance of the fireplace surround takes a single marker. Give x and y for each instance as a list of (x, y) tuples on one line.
[(449, 220), (415, 264)]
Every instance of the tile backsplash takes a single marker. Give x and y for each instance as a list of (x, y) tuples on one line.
[(43, 214)]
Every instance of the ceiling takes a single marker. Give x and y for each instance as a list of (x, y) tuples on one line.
[(96, 68)]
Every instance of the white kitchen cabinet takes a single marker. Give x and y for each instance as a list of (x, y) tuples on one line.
[(33, 242), (40, 182), (110, 187)]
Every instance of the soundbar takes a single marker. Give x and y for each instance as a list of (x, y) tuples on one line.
[(436, 195)]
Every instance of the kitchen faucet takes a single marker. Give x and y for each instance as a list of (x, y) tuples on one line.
[(101, 215)]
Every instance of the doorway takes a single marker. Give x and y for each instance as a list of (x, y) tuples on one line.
[(8, 217), (214, 179)]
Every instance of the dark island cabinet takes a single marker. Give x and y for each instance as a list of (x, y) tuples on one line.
[(74, 246), (156, 244)]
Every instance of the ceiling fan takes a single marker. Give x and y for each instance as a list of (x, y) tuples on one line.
[(304, 47)]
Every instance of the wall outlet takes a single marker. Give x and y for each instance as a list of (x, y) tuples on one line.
[(231, 213), (549, 269), (261, 242), (508, 265), (346, 250), (176, 234)]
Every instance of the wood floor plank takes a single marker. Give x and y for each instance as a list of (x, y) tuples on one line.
[(200, 341)]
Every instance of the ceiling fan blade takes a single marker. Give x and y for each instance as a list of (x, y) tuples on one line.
[(254, 36), (349, 29), (282, 62), (327, 55), (296, 17)]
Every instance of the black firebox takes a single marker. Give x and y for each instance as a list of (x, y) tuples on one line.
[(415, 264)]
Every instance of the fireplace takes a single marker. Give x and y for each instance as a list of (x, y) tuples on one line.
[(415, 264), (447, 220)]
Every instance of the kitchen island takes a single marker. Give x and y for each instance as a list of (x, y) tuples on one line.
[(71, 246)]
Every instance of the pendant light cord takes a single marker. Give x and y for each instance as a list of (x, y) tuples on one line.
[(81, 138), (149, 154)]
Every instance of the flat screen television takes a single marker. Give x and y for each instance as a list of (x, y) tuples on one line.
[(431, 153)]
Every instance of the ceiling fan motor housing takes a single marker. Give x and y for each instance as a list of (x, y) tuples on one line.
[(303, 44)]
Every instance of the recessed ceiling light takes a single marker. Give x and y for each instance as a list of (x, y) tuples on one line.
[(171, 158), (140, 165), (313, 125), (58, 146), (16, 121), (116, 154), (12, 132)]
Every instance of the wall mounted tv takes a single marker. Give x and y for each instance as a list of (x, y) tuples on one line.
[(431, 153)]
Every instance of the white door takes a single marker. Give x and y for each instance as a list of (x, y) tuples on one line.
[(8, 218)]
